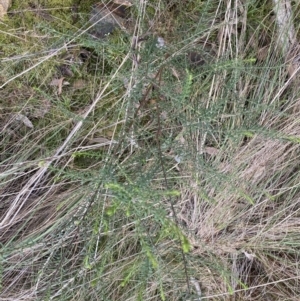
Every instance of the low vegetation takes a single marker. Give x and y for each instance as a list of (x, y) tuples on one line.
[(159, 162)]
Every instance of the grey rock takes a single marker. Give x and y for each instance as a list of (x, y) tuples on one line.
[(105, 21)]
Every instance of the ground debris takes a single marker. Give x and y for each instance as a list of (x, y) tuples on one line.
[(4, 6)]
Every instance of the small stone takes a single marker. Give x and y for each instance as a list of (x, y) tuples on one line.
[(106, 19), (160, 42)]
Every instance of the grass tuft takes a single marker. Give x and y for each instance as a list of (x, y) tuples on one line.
[(133, 171)]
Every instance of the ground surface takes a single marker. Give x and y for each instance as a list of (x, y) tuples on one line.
[(160, 162)]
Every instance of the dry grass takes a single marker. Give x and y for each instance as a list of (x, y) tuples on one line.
[(148, 176)]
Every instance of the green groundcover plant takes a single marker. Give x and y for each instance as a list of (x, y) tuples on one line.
[(156, 162)]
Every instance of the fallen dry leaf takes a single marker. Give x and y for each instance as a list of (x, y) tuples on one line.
[(197, 287), (211, 150), (4, 6), (249, 256), (58, 83), (175, 73), (24, 119)]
